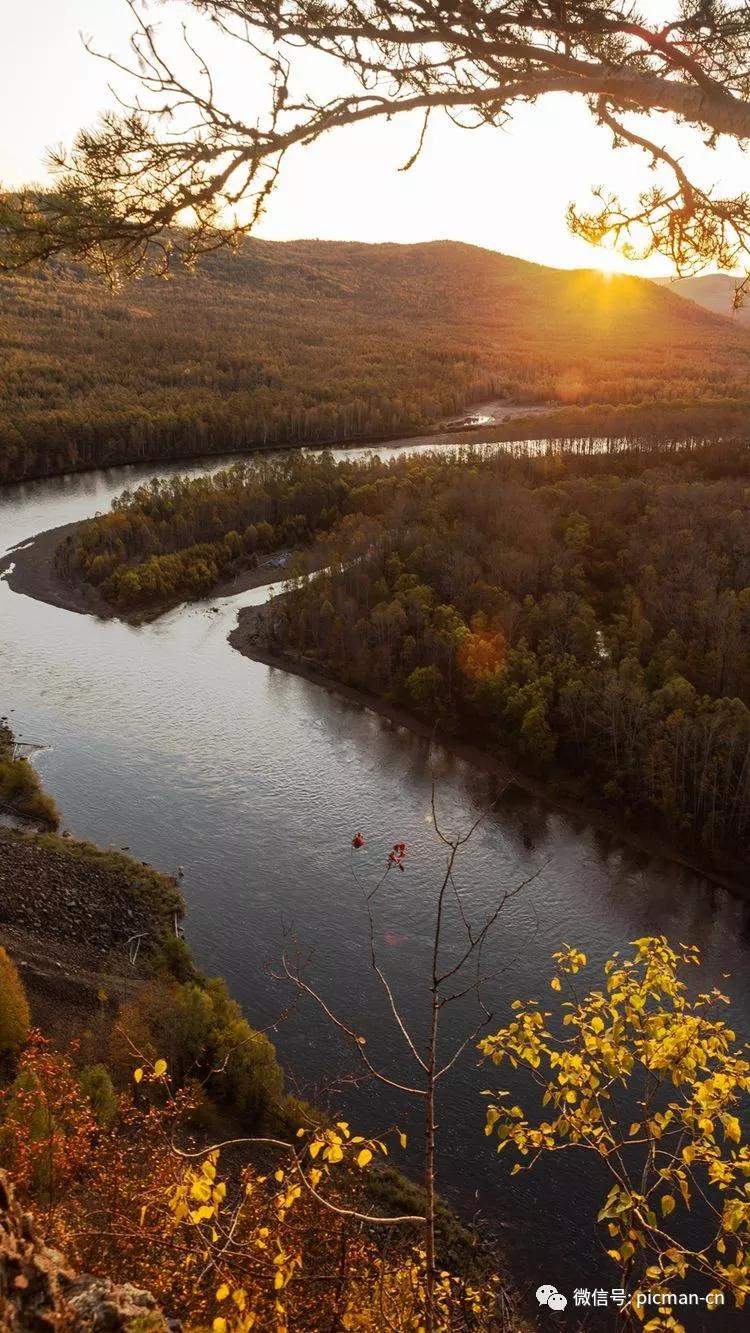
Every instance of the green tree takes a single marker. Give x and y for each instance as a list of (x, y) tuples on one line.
[(536, 737), (15, 1016), (426, 690), (96, 1085), (203, 1035)]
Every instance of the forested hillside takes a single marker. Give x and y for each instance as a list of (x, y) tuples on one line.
[(322, 341)]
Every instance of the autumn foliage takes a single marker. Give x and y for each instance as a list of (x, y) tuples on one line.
[(275, 1242), (282, 1232), (644, 1073)]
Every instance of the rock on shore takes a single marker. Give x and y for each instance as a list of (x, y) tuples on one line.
[(78, 897)]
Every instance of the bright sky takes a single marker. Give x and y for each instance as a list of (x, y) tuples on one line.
[(506, 190)]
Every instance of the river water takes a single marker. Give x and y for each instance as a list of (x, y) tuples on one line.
[(163, 739)]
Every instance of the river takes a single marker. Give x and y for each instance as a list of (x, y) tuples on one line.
[(163, 739)]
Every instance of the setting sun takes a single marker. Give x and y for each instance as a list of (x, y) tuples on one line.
[(608, 262)]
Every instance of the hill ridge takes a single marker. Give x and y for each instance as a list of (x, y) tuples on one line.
[(310, 342), (710, 291)]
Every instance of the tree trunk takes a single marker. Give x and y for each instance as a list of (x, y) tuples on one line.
[(429, 1169)]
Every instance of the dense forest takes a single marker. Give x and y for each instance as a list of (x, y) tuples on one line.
[(587, 613), (319, 341), (590, 619), (174, 539), (596, 426)]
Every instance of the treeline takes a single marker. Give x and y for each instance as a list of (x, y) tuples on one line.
[(608, 427), (314, 342)]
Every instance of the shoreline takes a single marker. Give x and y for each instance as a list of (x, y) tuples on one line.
[(71, 939), (29, 569), (247, 639), (454, 425)]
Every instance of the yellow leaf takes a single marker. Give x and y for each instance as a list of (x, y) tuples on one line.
[(667, 1205), (555, 983), (138, 1075), (160, 1068), (219, 1326), (732, 1128), (223, 1292), (279, 1175), (402, 1140), (364, 1157)]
